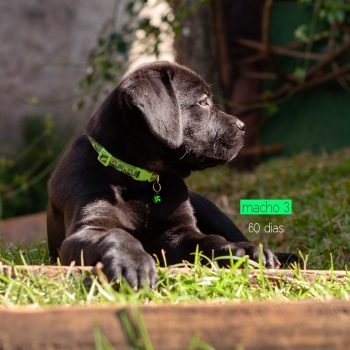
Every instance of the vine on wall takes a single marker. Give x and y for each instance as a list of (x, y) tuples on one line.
[(329, 28), (109, 59)]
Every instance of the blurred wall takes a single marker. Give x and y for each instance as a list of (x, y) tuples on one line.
[(43, 53)]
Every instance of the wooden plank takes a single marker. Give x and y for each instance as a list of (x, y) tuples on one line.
[(26, 229), (271, 274), (51, 271), (258, 325)]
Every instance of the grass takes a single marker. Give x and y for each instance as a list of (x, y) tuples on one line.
[(135, 331), (202, 283), (320, 226), (320, 189)]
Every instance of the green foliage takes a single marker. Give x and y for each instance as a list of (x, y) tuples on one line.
[(315, 37), (135, 330), (328, 25), (19, 255), (331, 11), (23, 178), (329, 19), (101, 342), (108, 60)]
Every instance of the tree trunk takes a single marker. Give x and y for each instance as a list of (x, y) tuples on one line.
[(208, 45), (195, 46)]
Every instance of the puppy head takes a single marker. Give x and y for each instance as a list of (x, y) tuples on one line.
[(210, 136), (178, 109)]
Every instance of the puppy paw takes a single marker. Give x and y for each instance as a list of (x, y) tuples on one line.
[(290, 259), (269, 260), (240, 249), (135, 265), (122, 255), (220, 247)]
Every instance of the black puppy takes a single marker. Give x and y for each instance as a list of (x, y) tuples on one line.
[(118, 195)]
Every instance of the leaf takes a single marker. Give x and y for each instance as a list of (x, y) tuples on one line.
[(340, 16), (300, 73), (79, 105), (271, 108), (33, 101), (301, 33)]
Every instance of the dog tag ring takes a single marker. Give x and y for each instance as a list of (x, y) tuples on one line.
[(156, 188)]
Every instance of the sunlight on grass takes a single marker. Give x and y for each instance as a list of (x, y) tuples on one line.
[(199, 283), (319, 186), (319, 229)]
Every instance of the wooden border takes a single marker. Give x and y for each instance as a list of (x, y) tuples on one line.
[(271, 274), (258, 325)]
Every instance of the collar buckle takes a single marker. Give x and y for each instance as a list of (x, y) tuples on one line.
[(104, 157), (145, 175)]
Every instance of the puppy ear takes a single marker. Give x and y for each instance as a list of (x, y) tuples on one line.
[(151, 91)]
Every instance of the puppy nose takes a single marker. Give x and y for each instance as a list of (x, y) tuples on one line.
[(240, 125)]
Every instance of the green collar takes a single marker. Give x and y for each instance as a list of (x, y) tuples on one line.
[(105, 158)]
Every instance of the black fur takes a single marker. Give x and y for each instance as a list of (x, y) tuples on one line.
[(161, 118)]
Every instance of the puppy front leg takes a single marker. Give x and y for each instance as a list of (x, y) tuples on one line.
[(182, 244), (120, 253), (210, 219)]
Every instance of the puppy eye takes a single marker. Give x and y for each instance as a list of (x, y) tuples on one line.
[(205, 102)]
